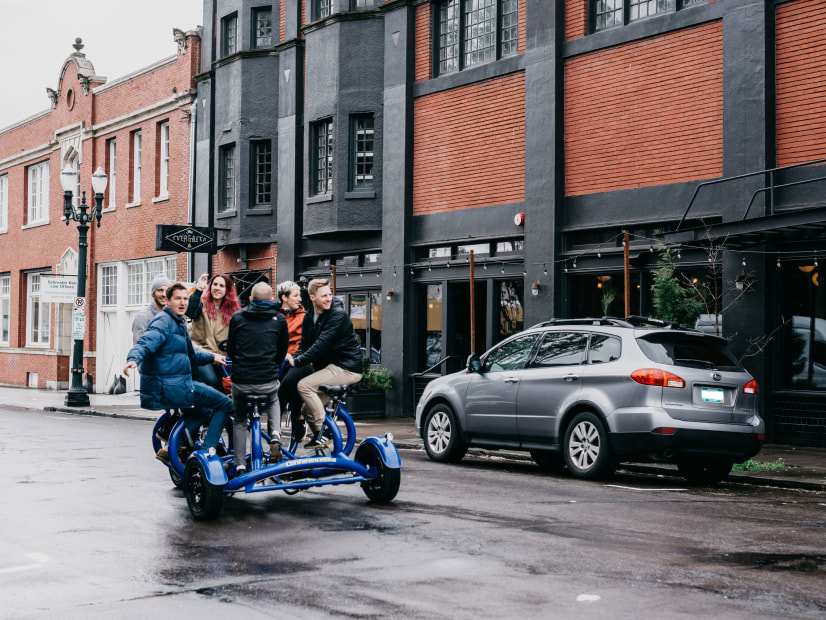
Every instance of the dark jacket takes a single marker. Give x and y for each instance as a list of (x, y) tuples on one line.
[(257, 342), (330, 340), (166, 359)]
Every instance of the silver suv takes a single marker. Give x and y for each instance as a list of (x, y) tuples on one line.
[(591, 393)]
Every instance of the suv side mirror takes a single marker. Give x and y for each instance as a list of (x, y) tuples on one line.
[(474, 364)]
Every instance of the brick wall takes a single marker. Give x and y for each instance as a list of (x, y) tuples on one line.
[(801, 74), (576, 19), (645, 113), (469, 146), (124, 233), (424, 43)]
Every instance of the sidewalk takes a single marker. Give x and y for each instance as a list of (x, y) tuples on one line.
[(805, 468)]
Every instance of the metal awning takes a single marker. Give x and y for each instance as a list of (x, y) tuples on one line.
[(792, 226)]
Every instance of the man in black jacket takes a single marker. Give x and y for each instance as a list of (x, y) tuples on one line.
[(257, 343), (330, 344)]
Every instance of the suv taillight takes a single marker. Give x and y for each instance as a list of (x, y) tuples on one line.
[(751, 388), (655, 376)]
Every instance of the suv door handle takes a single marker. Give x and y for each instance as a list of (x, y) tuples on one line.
[(571, 377), (511, 380)]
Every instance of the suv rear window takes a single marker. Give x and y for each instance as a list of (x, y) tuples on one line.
[(687, 350)]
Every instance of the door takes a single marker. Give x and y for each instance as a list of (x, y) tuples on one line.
[(550, 383), (490, 405)]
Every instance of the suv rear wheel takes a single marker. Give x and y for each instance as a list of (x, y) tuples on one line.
[(442, 438), (586, 449)]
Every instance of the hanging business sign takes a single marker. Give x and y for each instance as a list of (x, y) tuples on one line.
[(186, 239), (58, 289)]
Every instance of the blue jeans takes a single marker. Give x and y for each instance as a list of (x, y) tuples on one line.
[(212, 408)]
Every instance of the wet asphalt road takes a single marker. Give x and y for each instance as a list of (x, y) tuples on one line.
[(91, 527)]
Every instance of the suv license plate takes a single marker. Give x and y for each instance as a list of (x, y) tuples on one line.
[(712, 395)]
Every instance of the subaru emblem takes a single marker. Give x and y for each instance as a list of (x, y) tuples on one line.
[(716, 376)]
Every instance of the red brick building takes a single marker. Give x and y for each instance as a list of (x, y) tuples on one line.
[(137, 128)]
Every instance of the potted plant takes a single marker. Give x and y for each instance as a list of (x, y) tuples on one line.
[(368, 397)]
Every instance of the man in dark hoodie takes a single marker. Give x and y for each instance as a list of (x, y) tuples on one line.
[(329, 343), (257, 343)]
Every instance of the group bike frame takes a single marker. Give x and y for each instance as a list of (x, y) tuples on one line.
[(205, 478)]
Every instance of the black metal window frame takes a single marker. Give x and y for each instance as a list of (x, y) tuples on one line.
[(473, 32), (228, 179), (260, 173), (362, 151), (606, 14), (261, 27), (322, 157), (229, 34)]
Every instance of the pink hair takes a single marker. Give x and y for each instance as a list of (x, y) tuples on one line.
[(231, 304)]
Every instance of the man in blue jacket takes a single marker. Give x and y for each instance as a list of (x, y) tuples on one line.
[(167, 359), (330, 344)]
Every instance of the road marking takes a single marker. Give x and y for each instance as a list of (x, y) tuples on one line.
[(617, 486), (587, 598), (38, 560)]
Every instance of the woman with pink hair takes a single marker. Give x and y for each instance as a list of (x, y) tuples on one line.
[(211, 306)]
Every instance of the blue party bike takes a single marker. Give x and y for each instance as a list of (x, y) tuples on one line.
[(206, 478)]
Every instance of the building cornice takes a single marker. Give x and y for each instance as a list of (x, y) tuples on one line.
[(179, 100)]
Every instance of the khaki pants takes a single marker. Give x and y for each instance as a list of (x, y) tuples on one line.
[(315, 400)]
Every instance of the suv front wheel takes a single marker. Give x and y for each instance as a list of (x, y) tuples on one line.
[(587, 453), (442, 439)]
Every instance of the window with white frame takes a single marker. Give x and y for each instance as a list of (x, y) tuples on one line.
[(38, 313), (322, 156), (472, 32), (111, 172), (136, 166), (323, 8), (261, 151), (5, 309), (361, 163), (108, 285), (141, 273), (262, 23), (229, 34), (163, 163), (38, 193), (4, 203), (226, 201)]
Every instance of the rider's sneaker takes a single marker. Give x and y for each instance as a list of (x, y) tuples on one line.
[(163, 456), (317, 441), (275, 452), (240, 470)]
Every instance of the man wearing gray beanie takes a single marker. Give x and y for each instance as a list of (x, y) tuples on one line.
[(156, 304)]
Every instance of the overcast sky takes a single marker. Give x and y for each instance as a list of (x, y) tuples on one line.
[(119, 37)]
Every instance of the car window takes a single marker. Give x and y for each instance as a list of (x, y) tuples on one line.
[(561, 349), (689, 351), (512, 355), (604, 348)]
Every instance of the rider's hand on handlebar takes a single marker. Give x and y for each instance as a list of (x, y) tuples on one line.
[(220, 359), (289, 359)]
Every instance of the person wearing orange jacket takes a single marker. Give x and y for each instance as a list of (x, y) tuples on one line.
[(289, 297)]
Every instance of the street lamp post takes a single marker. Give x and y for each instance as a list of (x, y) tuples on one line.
[(77, 396)]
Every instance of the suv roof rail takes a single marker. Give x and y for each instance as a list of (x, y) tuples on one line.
[(606, 320)]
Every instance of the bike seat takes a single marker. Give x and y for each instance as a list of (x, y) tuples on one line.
[(257, 399), (334, 391)]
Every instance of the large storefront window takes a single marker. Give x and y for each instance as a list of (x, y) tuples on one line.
[(365, 313), (433, 329), (511, 312), (803, 345)]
